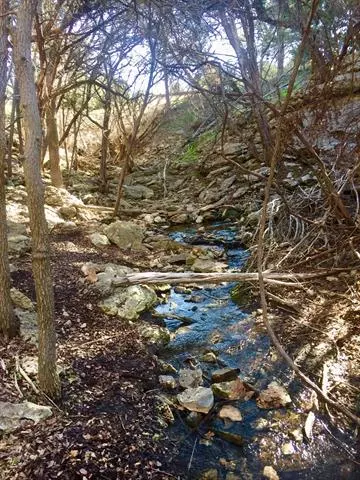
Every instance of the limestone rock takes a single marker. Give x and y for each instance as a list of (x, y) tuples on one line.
[(194, 419), (190, 378), (18, 244), (233, 390), (224, 374), (155, 335), (21, 300), (125, 234), (179, 218), (129, 302), (270, 473), (275, 396), (231, 413), (99, 239), (137, 192), (200, 399), (230, 437), (204, 265), (12, 413), (68, 211)]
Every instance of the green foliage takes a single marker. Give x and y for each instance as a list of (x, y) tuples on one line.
[(192, 151), (190, 154)]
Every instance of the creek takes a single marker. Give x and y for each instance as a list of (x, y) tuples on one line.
[(217, 323)]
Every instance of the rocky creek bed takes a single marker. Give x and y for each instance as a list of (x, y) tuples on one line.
[(236, 407)]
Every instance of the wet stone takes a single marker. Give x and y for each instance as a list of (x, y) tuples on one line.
[(230, 437), (209, 357), (233, 390), (190, 378), (224, 375), (198, 399)]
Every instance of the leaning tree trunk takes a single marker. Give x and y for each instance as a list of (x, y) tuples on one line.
[(105, 141), (48, 378), (8, 324)]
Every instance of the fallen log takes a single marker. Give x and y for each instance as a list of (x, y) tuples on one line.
[(175, 278)]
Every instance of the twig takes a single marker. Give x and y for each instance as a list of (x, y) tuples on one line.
[(192, 454)]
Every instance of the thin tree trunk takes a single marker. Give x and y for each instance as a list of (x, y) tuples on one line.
[(105, 141), (11, 137), (48, 378), (18, 118), (9, 327), (52, 137)]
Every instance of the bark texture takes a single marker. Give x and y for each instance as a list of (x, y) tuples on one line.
[(8, 325), (48, 377)]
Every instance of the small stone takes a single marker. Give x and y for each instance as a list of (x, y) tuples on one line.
[(297, 435), (99, 239), (167, 381), (233, 390), (200, 399), (288, 449), (270, 473), (190, 378), (209, 357), (275, 396), (231, 413), (224, 374)]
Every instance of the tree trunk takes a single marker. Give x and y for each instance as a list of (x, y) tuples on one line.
[(18, 118), (48, 378), (105, 140), (52, 138), (9, 327), (11, 137)]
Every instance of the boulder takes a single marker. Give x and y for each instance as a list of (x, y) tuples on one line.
[(275, 396), (230, 437), (129, 302), (209, 357), (179, 218), (200, 399), (224, 374), (12, 413), (190, 378), (125, 234), (211, 474)]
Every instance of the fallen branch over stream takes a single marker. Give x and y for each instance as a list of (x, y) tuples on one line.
[(175, 278)]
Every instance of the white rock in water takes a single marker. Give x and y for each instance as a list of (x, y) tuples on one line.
[(275, 396), (200, 399)]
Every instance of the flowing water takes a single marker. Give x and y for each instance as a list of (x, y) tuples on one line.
[(218, 324)]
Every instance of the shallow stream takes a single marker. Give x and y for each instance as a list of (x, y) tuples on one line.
[(215, 323)]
